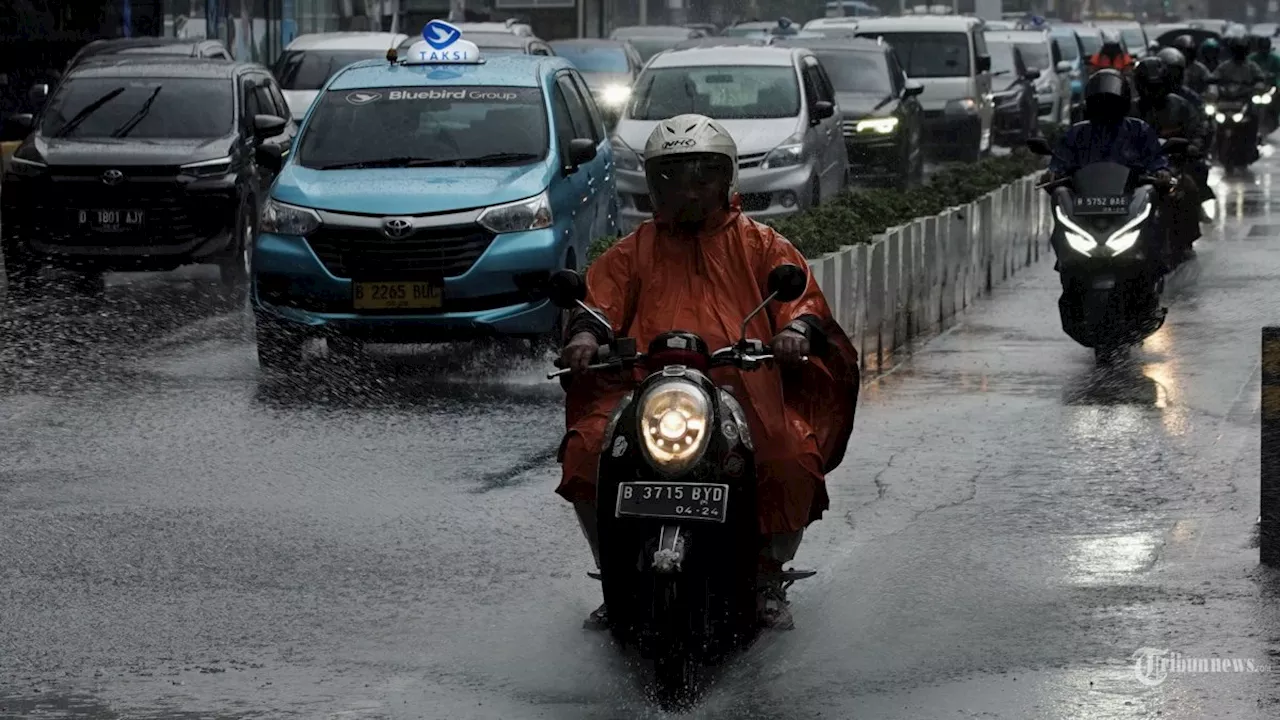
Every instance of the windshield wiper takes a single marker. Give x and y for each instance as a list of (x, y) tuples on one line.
[(498, 158), (998, 73), (85, 112), (377, 163), (139, 116)]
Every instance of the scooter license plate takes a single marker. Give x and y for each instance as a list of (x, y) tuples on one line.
[(1102, 205), (673, 501)]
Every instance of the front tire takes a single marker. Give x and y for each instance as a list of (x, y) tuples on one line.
[(234, 272)]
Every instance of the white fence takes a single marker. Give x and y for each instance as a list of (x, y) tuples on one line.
[(914, 278)]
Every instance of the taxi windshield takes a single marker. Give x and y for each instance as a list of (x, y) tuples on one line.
[(439, 126)]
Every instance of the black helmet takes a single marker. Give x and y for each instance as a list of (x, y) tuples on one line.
[(1262, 44), (1107, 98), (1176, 65), (1239, 48), (1151, 77), (1187, 45)]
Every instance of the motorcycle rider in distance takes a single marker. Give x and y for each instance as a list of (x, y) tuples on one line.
[(1267, 59), (1111, 55), (701, 266), (1175, 63), (1210, 54), (1197, 74), (1170, 115), (1239, 77)]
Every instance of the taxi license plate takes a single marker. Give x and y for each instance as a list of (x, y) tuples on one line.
[(673, 500), (110, 220), (399, 295)]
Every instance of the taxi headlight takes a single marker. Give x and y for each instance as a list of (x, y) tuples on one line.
[(614, 95), (883, 126), (208, 168), (529, 214), (673, 423), (283, 219)]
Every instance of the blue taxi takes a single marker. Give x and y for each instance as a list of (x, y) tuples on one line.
[(428, 197)]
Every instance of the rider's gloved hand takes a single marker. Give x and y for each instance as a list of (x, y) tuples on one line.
[(579, 352), (790, 347)]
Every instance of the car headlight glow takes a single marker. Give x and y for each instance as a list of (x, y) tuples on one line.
[(788, 154), (1220, 117), (283, 219), (1210, 109), (1238, 117), (615, 95), (624, 157), (673, 423), (1262, 99), (529, 214), (883, 126), (961, 106), (207, 168)]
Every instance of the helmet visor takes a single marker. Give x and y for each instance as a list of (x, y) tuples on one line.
[(688, 187)]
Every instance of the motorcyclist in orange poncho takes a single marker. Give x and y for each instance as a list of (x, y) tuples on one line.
[(701, 266)]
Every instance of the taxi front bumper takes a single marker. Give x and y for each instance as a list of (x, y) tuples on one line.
[(499, 294)]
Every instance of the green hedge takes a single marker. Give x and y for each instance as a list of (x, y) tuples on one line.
[(861, 213)]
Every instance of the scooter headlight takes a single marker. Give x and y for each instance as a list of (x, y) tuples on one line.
[(1220, 117), (1127, 235), (1077, 237), (1210, 109), (1238, 117), (673, 422)]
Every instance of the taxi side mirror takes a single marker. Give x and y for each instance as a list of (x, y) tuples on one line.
[(581, 152), (270, 156)]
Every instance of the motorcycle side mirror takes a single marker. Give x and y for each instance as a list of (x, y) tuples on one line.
[(1039, 146), (787, 282), (38, 94), (566, 289), (1176, 146)]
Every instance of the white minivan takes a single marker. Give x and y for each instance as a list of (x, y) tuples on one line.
[(948, 56), (310, 60)]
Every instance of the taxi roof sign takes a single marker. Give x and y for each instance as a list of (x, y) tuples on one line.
[(442, 44)]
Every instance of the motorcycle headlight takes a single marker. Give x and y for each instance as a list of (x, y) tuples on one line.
[(789, 154), (1220, 117), (615, 95), (530, 214), (283, 219), (883, 126), (1262, 99), (624, 157), (673, 423), (208, 168), (1210, 109), (1127, 235), (1077, 237), (1238, 117)]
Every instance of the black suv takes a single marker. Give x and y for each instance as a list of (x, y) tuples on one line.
[(142, 166), (881, 113)]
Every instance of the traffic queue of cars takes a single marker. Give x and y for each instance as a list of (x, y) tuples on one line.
[(387, 187)]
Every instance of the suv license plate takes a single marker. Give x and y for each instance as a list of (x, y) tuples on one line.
[(673, 500), (110, 220)]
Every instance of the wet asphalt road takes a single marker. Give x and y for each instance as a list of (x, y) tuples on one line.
[(180, 538)]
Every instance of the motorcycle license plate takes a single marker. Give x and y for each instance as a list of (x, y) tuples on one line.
[(673, 501), (1102, 205)]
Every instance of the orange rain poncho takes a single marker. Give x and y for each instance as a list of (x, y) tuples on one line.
[(654, 282)]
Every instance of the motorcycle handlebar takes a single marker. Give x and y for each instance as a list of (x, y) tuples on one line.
[(739, 360)]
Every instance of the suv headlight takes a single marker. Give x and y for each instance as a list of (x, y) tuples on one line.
[(883, 126), (788, 154), (673, 422), (624, 157), (283, 219), (530, 214), (207, 168), (26, 161)]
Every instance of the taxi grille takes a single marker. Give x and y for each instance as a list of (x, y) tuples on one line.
[(364, 252)]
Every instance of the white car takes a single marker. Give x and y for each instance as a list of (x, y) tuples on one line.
[(510, 26), (1053, 86), (310, 60), (948, 55), (776, 102)]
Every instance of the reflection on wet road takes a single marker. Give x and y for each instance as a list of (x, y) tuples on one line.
[(378, 538)]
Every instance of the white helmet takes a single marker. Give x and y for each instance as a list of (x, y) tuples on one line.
[(692, 133)]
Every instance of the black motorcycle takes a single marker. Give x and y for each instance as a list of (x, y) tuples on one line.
[(1236, 117), (679, 536), (1111, 253)]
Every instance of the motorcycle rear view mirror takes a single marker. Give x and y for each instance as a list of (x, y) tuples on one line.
[(787, 282), (566, 289)]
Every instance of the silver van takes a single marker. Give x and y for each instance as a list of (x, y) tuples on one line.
[(777, 103), (948, 55)]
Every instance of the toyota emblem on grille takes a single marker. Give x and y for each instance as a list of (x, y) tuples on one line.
[(396, 227), (113, 177)]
